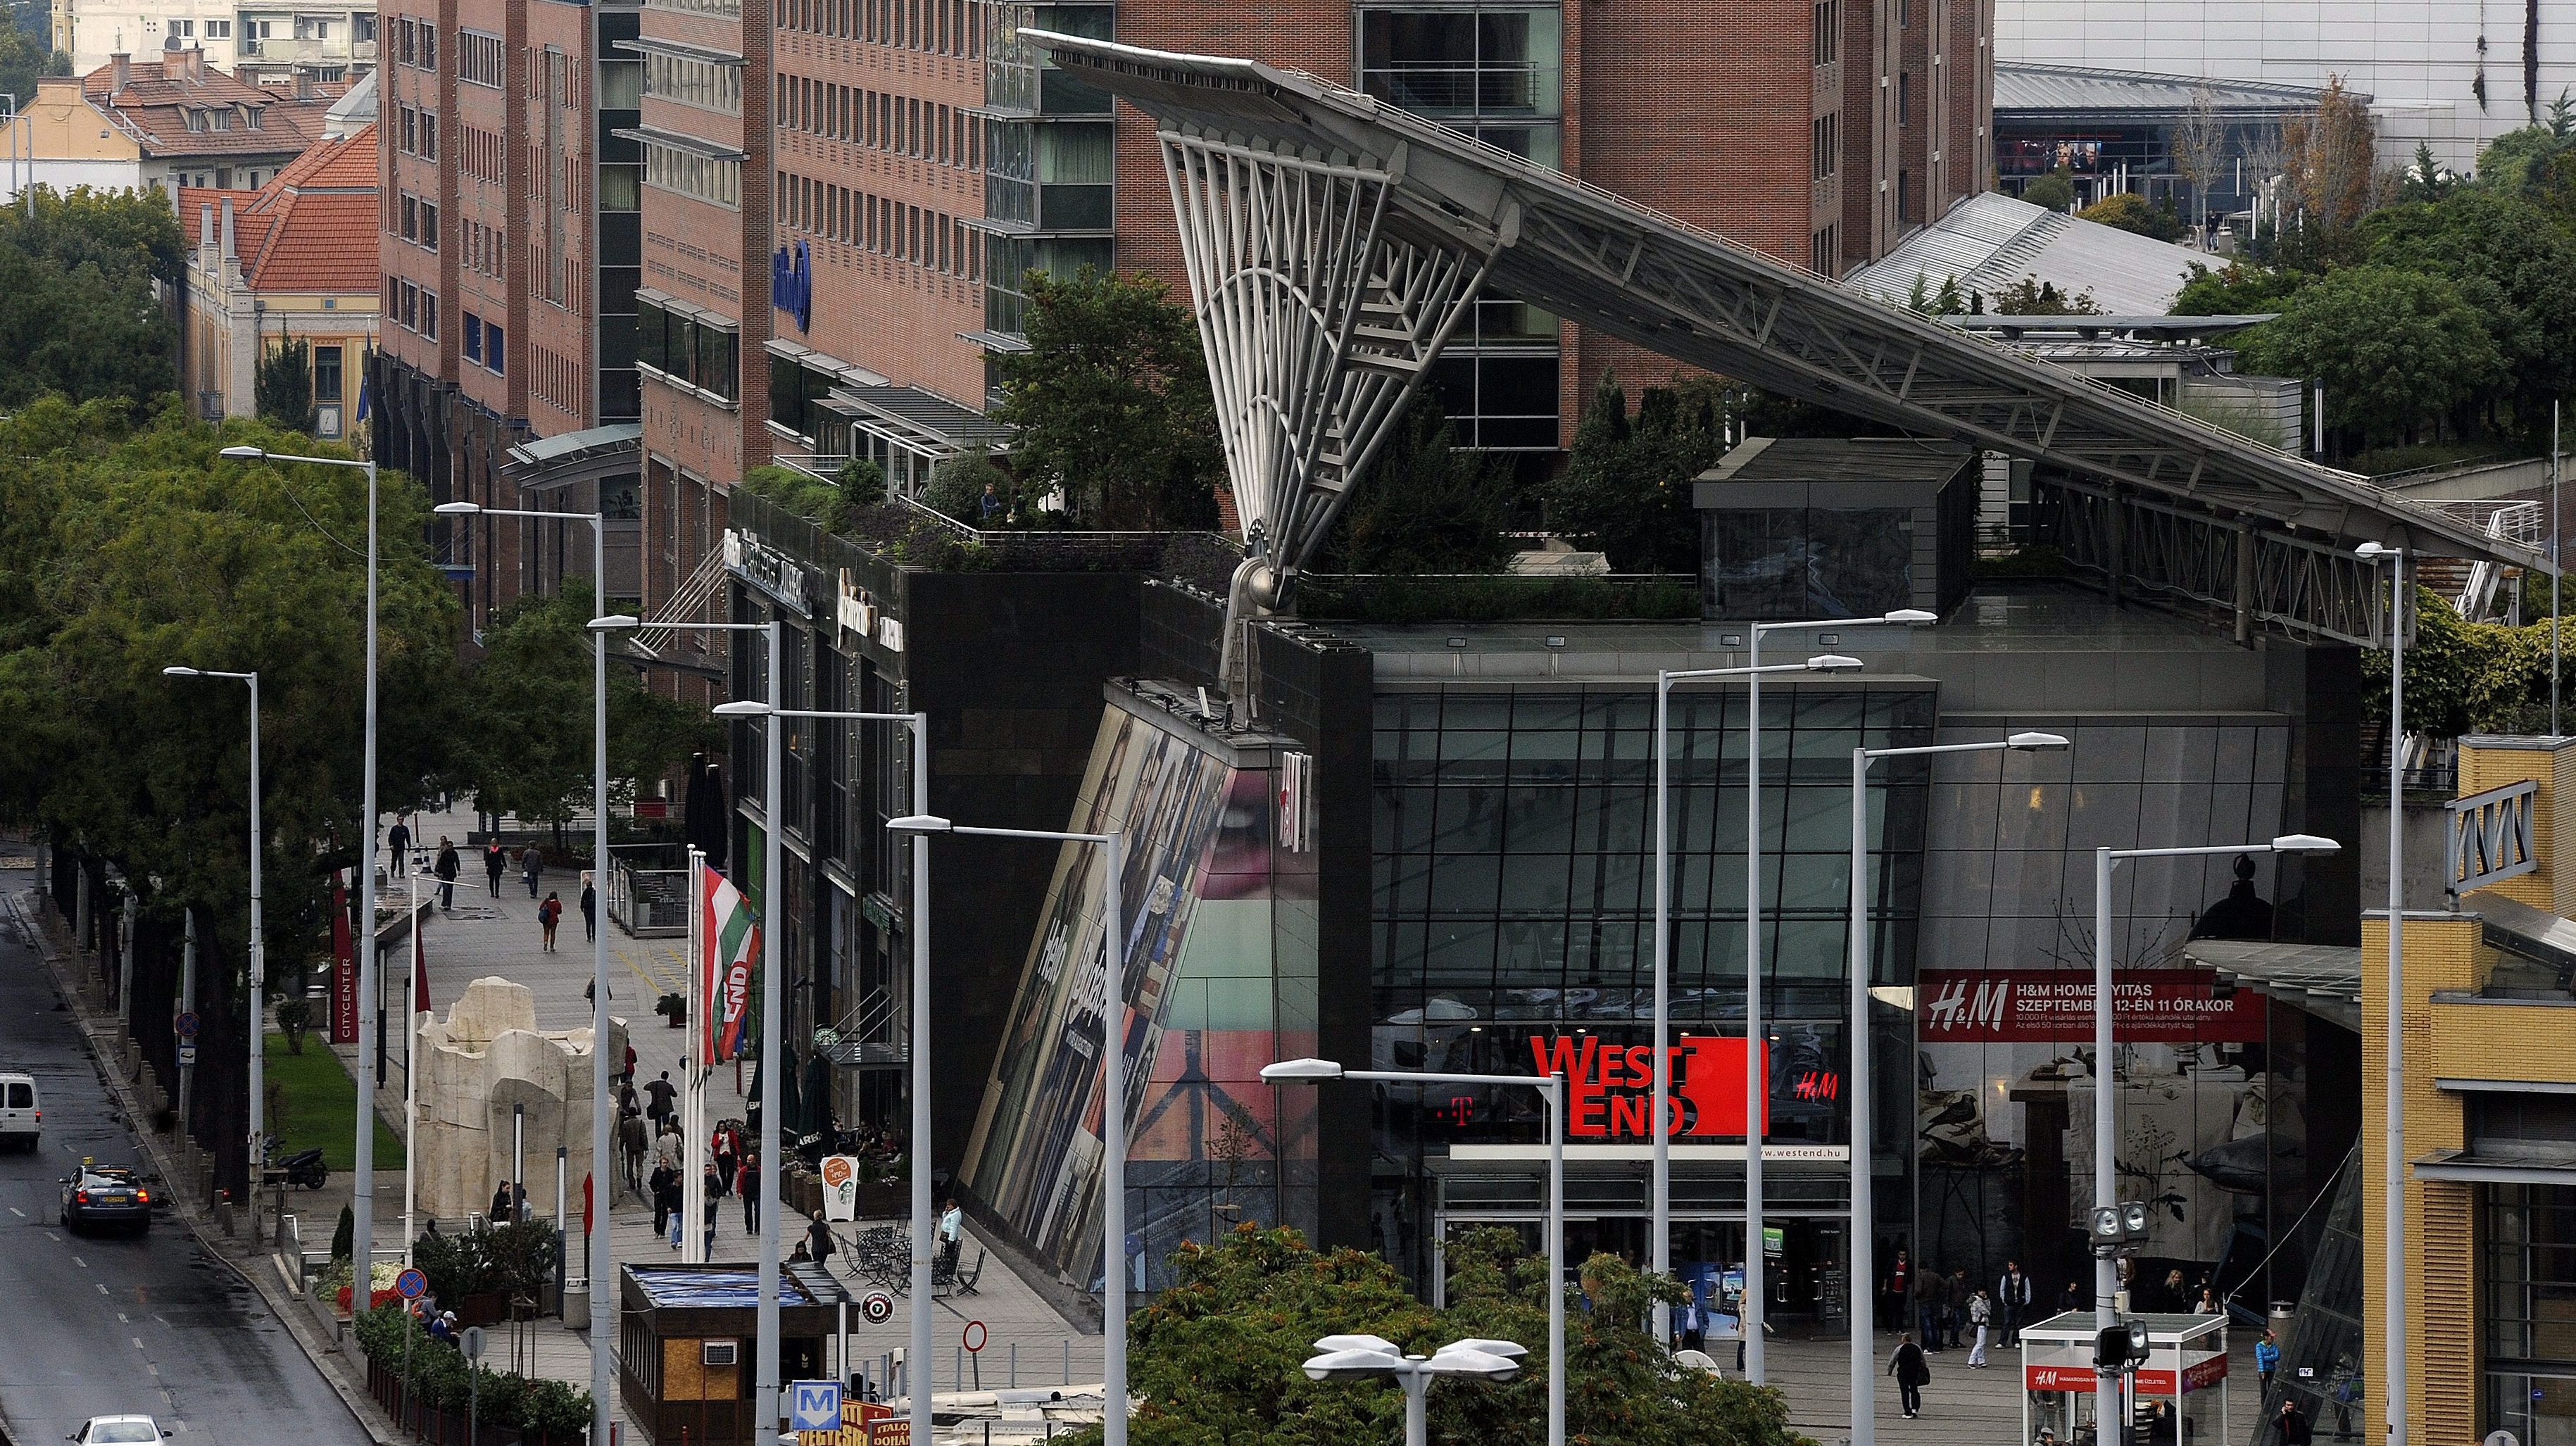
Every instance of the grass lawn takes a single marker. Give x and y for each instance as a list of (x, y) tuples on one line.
[(319, 1106)]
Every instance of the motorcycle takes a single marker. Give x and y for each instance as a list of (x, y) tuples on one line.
[(303, 1170)]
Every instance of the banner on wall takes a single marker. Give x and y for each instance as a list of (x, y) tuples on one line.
[(2149, 1006), (1610, 1088)]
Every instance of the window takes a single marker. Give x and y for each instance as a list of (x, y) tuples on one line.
[(312, 27), (326, 374), (688, 347), (689, 174), (2527, 1295), (1828, 146), (362, 27), (1829, 20), (1904, 99), (496, 349), (183, 28), (706, 84), (473, 341), (1826, 249), (429, 134), (479, 60), (1495, 73)]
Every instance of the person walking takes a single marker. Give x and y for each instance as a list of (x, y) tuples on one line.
[(530, 866), (1960, 1294), (496, 862), (589, 908), (398, 844), (711, 1215), (660, 1181), (447, 868), (748, 1179), (501, 1203), (2267, 1359), (661, 1092), (633, 1141), (728, 1159), (819, 1243), (1694, 1325), (2295, 1430), (2012, 1296), (1932, 1309), (952, 1235), (1981, 1309), (1900, 1295), (549, 914), (1912, 1373)]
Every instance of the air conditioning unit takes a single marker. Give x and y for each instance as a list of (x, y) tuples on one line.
[(717, 1353)]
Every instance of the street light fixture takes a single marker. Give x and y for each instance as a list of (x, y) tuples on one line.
[(1552, 1088), (1352, 1357), (1660, 1150), (2106, 1276), (1863, 1270), (2393, 1190), (258, 948), (602, 1283), (1113, 1097), (362, 1198), (918, 1361)]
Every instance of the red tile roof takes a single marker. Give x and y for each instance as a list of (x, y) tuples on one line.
[(313, 229), (154, 106)]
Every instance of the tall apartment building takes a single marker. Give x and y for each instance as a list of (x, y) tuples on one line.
[(511, 251), (262, 43)]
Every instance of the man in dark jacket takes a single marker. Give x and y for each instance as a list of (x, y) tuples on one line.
[(447, 868), (1912, 1373), (2012, 1302), (2295, 1430)]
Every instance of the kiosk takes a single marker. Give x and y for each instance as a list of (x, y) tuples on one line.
[(2186, 1364), (685, 1346)]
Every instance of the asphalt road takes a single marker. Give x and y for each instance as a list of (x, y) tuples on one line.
[(93, 1325)]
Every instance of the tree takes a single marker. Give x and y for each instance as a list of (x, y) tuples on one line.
[(1627, 486), (1216, 1358), (2031, 296), (1427, 506), (2239, 288), (527, 748), (2331, 157), (2200, 147), (2052, 192), (22, 59), (2393, 349), (957, 489), (283, 387), (2131, 212), (78, 310), (1110, 403), (2512, 264)]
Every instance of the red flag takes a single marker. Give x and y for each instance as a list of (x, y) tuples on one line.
[(419, 969), (585, 1207)]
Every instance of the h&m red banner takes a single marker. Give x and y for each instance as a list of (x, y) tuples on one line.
[(2149, 1006)]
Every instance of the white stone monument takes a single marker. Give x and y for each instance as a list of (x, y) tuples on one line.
[(484, 1063)]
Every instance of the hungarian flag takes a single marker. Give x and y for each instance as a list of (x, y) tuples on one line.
[(730, 940)]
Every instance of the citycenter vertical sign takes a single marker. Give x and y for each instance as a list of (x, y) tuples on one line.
[(1610, 1088)]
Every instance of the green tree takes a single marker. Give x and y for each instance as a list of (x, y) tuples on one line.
[(2239, 288), (1427, 505), (2461, 677), (2052, 192), (2512, 265), (283, 386), (957, 489), (2393, 349), (2031, 296), (527, 746), (78, 309), (22, 59), (1626, 485), (1110, 403), (2130, 212)]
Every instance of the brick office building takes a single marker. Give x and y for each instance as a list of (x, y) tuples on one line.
[(509, 252)]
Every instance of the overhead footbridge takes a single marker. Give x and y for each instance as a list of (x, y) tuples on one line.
[(1335, 244)]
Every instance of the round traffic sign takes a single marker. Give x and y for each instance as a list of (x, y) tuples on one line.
[(412, 1284), (187, 1025), (975, 1336), (877, 1306), (471, 1342)]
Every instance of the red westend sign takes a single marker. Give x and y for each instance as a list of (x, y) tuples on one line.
[(1610, 1088), (2150, 1006)]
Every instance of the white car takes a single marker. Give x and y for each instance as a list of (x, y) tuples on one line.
[(22, 1115), (118, 1431)]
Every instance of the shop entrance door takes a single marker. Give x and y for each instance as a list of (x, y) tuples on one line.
[(1804, 1265)]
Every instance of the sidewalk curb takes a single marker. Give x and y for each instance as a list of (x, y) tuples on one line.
[(289, 1312)]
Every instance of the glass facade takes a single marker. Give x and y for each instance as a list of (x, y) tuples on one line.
[(2527, 1301)]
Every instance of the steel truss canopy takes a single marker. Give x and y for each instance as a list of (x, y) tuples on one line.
[(1334, 242)]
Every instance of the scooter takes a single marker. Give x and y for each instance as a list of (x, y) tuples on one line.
[(303, 1169)]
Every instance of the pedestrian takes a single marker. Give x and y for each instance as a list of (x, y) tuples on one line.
[(666, 1150), (1694, 1324), (727, 1159), (2012, 1296), (2295, 1430), (443, 1327), (628, 1078), (1960, 1294), (1931, 1307), (660, 1196), (2176, 1296), (1900, 1295), (530, 866), (447, 868), (661, 1092), (2207, 1304), (749, 1182), (2164, 1428), (952, 1234), (2267, 1359), (1981, 1309), (496, 862), (398, 844), (501, 1203), (589, 908), (711, 1215), (1912, 1373), (818, 1241), (632, 1143), (2071, 1298), (989, 508), (549, 914), (627, 1102)]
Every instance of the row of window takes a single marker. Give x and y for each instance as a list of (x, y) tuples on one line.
[(412, 307), (730, 9), (416, 132), (416, 43), (487, 249), (213, 118), (487, 344), (480, 60), (901, 124), (940, 27), (483, 158), (1829, 22), (930, 239), (696, 351), (1828, 143), (687, 173), (707, 84), (418, 221), (215, 29)]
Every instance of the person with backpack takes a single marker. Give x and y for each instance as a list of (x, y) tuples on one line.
[(549, 914), (1912, 1372)]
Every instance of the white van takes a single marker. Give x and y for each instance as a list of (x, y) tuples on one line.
[(22, 1118)]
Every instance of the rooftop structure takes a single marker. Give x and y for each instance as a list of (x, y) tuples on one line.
[(1989, 242)]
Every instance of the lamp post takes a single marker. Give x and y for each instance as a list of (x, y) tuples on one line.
[(1552, 1087), (1863, 1271), (258, 948), (1351, 1357), (918, 1359), (362, 1200), (1113, 1101), (1756, 1078), (1660, 1150), (2106, 1194), (2393, 1201), (603, 1378)]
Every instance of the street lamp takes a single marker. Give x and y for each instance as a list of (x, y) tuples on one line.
[(773, 1055), (1552, 1087), (362, 1200), (1660, 1150), (2106, 1275), (602, 1286), (1351, 1357), (1113, 1099), (1863, 1272), (2393, 1200), (258, 948), (1757, 1082)]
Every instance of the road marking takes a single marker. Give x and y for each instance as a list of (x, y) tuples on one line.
[(83, 1264), (138, 1343), (102, 1289), (121, 1319), (14, 1210), (49, 1235)]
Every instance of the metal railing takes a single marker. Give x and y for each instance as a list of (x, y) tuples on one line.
[(648, 902)]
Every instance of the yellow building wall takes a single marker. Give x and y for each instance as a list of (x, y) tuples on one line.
[(2551, 763), (62, 126)]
